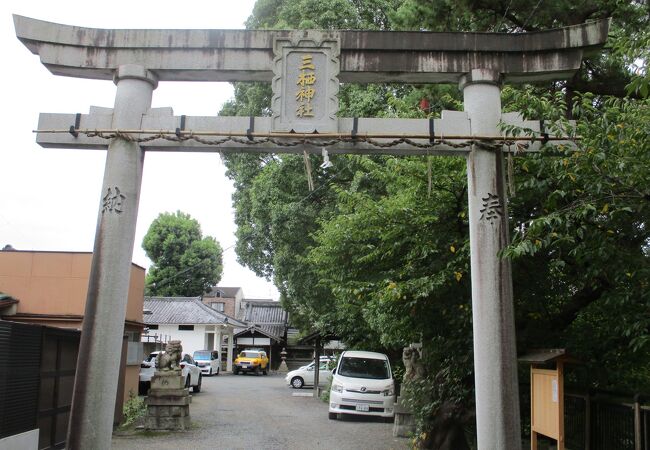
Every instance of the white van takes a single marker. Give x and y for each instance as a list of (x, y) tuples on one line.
[(208, 361), (362, 383)]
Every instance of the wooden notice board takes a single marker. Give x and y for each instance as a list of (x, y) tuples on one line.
[(547, 393), (547, 405), (545, 414)]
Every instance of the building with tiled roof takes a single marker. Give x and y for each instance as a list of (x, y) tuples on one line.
[(224, 299), (263, 321), (267, 324), (269, 316), (189, 320), (222, 291)]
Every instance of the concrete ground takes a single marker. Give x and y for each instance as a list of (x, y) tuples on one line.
[(261, 412)]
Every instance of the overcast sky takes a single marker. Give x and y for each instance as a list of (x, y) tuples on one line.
[(50, 197)]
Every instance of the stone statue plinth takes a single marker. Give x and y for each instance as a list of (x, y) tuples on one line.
[(404, 425), (283, 365), (168, 402)]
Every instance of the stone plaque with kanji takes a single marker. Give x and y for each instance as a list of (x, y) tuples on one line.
[(305, 83)]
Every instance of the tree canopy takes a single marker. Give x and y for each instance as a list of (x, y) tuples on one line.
[(378, 252), (185, 263)]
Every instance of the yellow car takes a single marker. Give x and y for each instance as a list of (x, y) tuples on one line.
[(252, 361)]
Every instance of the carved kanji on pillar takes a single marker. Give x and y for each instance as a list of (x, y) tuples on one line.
[(113, 201), (492, 208)]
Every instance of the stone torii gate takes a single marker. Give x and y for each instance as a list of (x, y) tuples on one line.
[(303, 121)]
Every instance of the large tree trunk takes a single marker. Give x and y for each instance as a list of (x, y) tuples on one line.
[(447, 430)]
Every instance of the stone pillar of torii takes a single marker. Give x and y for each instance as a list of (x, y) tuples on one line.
[(305, 68)]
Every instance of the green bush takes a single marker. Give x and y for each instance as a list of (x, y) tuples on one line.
[(134, 408)]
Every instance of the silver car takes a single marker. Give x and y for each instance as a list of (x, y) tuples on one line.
[(304, 376)]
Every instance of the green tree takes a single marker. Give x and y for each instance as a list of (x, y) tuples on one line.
[(274, 212), (581, 247), (379, 253), (184, 262)]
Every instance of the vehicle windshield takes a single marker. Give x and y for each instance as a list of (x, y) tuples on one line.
[(201, 356), (249, 355), (375, 369), (151, 357)]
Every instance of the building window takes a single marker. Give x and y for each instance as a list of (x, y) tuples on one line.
[(133, 336), (185, 327), (152, 327), (135, 349), (218, 306)]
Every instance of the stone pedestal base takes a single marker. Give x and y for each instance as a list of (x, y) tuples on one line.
[(168, 403), (404, 425), (283, 367)]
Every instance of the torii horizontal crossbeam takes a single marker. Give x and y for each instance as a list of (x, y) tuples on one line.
[(449, 135), (366, 56)]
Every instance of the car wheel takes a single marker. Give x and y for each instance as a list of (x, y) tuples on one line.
[(257, 370), (210, 374), (197, 388), (333, 416), (297, 382), (236, 371), (265, 371), (218, 370), (187, 382)]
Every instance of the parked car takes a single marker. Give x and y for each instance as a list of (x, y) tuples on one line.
[(362, 383), (304, 376), (254, 361), (189, 370), (208, 361)]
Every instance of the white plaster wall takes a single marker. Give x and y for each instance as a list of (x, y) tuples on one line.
[(249, 341), (191, 340)]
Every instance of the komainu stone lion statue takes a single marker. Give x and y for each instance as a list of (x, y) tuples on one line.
[(412, 364), (169, 360)]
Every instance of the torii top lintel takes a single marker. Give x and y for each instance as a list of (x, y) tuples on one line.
[(365, 56)]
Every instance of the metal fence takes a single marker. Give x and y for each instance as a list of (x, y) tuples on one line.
[(575, 422), (600, 420)]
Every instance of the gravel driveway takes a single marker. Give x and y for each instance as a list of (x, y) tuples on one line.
[(261, 412)]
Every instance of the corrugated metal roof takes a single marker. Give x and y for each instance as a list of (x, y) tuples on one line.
[(183, 310)]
